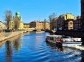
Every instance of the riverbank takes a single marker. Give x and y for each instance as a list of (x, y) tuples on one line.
[(10, 35)]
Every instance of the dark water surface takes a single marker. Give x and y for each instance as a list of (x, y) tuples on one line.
[(33, 48)]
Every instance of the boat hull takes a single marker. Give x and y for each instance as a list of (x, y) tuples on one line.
[(65, 43), (71, 43)]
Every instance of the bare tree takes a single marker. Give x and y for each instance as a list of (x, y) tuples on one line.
[(52, 16), (8, 17), (51, 19)]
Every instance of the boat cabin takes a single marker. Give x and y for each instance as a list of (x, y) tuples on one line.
[(54, 38)]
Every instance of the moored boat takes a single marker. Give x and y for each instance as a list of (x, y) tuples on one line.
[(58, 40)]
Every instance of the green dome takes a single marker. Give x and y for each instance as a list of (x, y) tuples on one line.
[(17, 14)]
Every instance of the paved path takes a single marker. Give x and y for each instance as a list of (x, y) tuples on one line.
[(9, 35)]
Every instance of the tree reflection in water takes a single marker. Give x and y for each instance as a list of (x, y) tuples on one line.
[(17, 43), (8, 51), (9, 47)]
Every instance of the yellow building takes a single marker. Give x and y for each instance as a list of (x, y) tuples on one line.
[(69, 16), (70, 25), (37, 25), (63, 22), (26, 25), (18, 22), (21, 25), (40, 25), (11, 25), (69, 21)]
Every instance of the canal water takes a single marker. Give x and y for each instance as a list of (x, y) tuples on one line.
[(33, 48)]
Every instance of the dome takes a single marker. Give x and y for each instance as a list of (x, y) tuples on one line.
[(17, 14)]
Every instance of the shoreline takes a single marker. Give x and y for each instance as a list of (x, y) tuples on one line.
[(13, 34)]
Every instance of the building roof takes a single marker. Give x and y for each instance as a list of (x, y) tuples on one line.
[(26, 23)]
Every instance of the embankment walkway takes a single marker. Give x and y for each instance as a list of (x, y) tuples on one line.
[(10, 35)]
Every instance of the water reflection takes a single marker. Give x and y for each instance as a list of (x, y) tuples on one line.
[(82, 55), (17, 43), (9, 48), (59, 48), (56, 46), (33, 48), (8, 51)]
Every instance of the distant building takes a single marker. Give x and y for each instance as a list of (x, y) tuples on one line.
[(26, 25), (37, 25), (40, 25)]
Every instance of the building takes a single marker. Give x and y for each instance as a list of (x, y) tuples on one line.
[(77, 23), (18, 21), (69, 21), (37, 25), (40, 25), (21, 25), (11, 25), (66, 22), (63, 22), (26, 25), (69, 16), (46, 25)]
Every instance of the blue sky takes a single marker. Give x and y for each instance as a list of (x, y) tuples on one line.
[(39, 9)]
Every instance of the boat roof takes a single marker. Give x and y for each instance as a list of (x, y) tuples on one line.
[(54, 35)]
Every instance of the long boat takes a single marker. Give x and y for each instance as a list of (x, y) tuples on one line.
[(58, 39)]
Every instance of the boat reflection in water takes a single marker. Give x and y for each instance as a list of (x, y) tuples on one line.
[(60, 48)]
